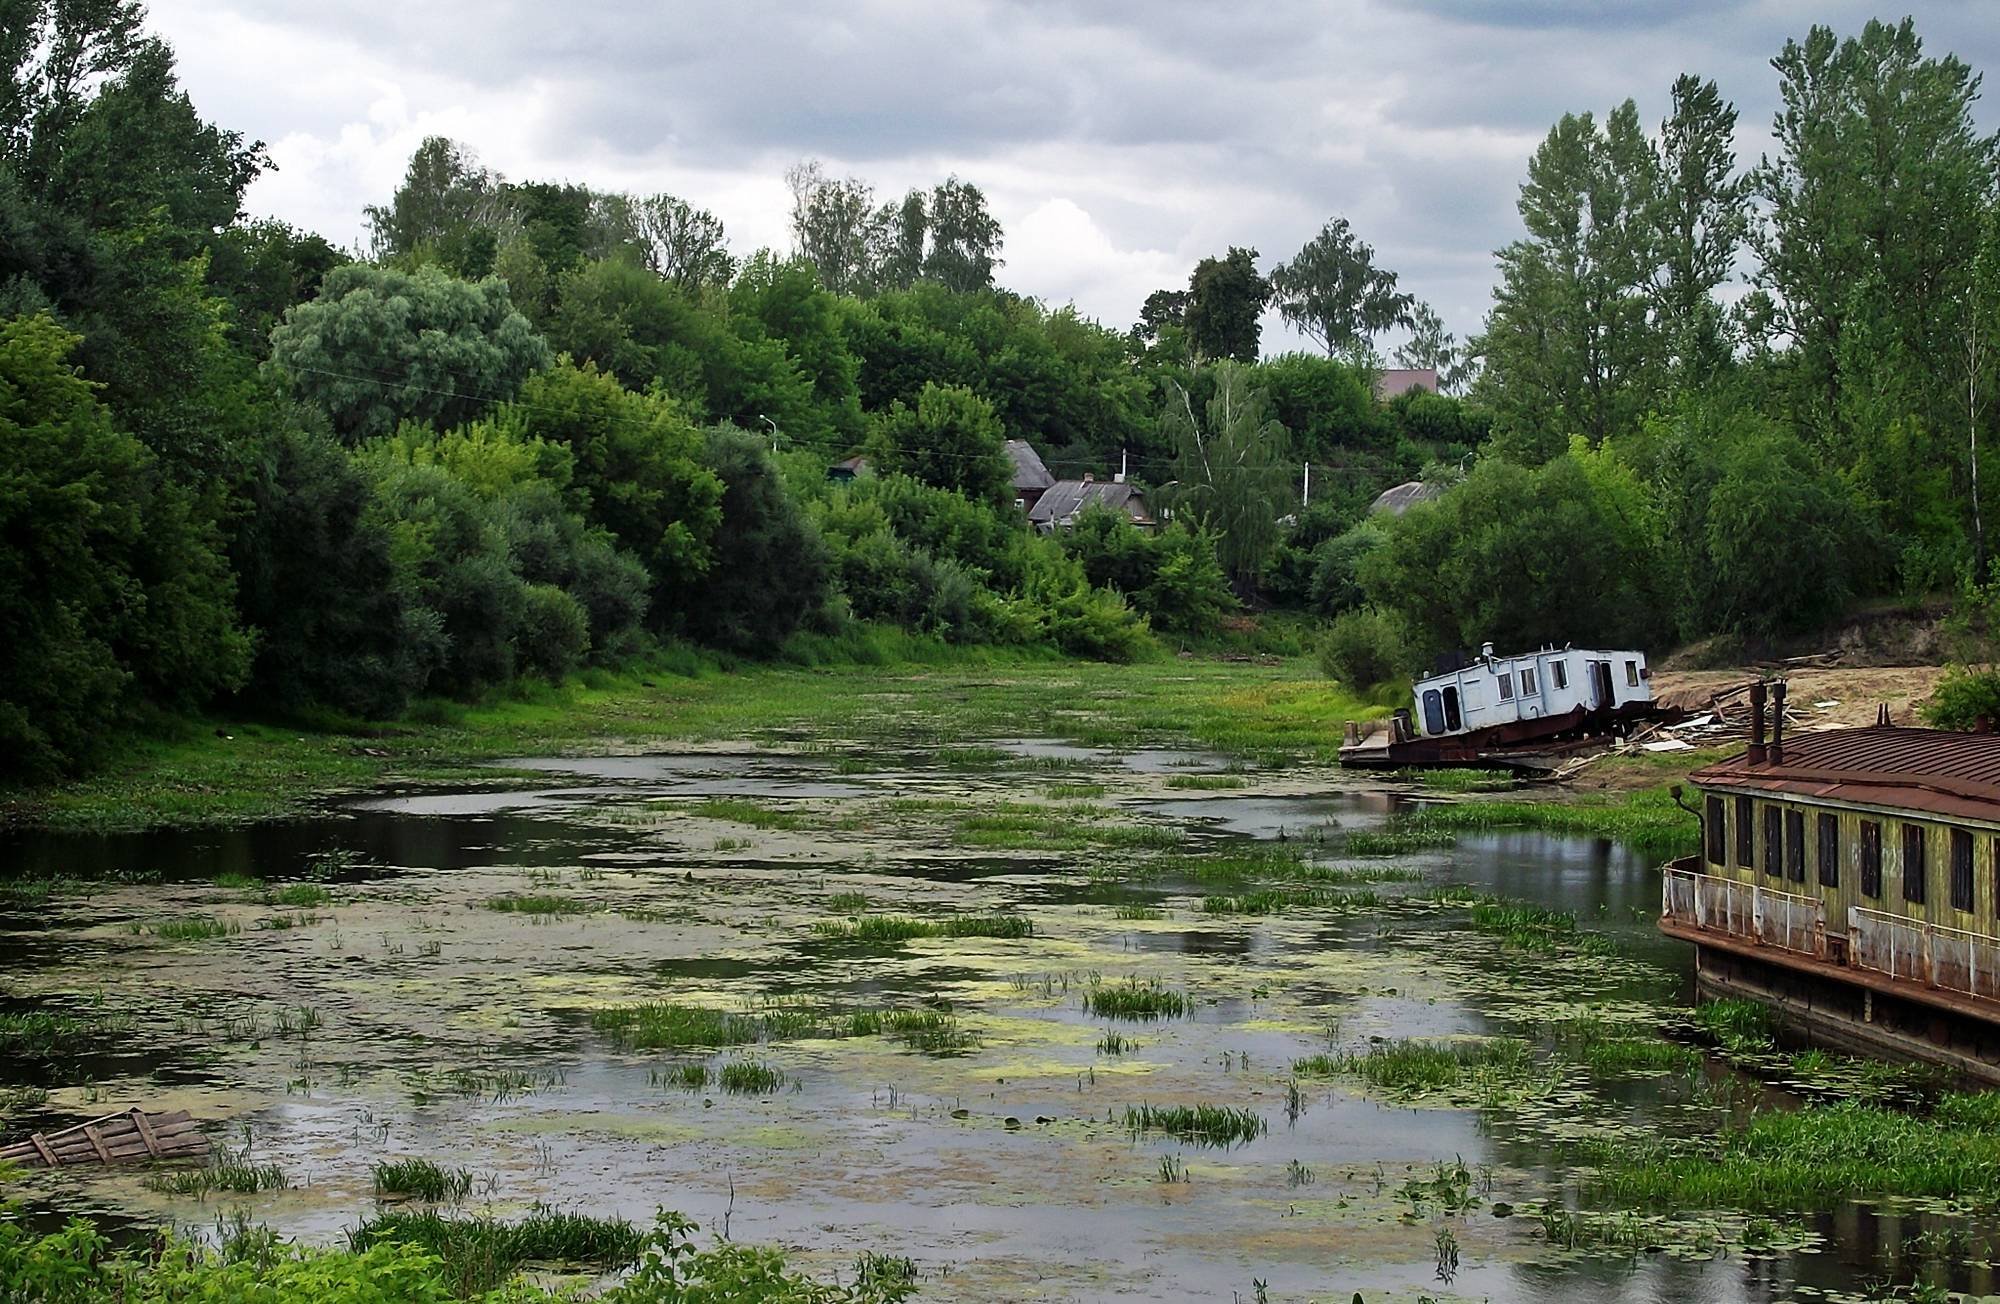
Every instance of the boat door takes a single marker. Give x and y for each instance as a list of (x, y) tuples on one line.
[(1433, 711), (1600, 685)]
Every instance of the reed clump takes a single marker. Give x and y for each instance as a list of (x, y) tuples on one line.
[(1212, 1125), (421, 1179), (1133, 999)]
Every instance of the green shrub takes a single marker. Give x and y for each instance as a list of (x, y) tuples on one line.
[(1966, 698), (1363, 648)]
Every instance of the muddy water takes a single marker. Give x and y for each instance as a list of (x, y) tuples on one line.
[(403, 1018)]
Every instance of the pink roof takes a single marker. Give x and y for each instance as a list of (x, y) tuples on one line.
[(1401, 380)]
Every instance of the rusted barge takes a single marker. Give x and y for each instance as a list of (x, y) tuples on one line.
[(1522, 711), (1850, 880)]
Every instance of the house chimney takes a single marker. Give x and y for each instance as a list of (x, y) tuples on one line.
[(1778, 723), (1756, 756)]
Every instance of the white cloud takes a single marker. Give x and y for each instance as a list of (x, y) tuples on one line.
[(1118, 142)]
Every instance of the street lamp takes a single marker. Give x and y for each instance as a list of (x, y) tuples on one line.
[(774, 431)]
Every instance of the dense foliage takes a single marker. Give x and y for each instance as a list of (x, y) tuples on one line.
[(544, 427)]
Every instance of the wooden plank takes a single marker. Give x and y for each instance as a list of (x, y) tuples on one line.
[(145, 1131), (42, 1148), (96, 1142)]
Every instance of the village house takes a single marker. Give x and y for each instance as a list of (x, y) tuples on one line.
[(1065, 500), (1031, 478)]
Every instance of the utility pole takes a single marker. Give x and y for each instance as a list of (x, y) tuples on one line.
[(1305, 499)]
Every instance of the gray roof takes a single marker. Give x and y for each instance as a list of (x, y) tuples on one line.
[(1066, 498), (1029, 473), (1404, 496)]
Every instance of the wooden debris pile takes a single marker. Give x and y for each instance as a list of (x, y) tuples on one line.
[(114, 1139)]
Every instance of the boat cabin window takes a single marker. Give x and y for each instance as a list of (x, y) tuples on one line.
[(1632, 674), (1795, 845), (1746, 834), (1871, 859), (1452, 718), (1961, 870), (1527, 683), (1711, 826), (1433, 711), (1774, 839), (1914, 869), (1559, 674), (1506, 682), (1829, 851)]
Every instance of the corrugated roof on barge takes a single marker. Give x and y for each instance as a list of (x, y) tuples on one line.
[(1934, 770)]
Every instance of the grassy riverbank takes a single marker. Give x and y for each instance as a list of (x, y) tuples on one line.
[(230, 770)]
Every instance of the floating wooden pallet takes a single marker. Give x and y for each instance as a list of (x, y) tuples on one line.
[(113, 1139)]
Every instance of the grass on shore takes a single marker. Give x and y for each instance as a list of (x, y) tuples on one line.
[(224, 771)]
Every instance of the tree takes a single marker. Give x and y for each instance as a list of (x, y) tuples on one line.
[(771, 570), (638, 472), (682, 244), (1702, 219), (54, 55), (1561, 553), (1431, 345), (1566, 347), (113, 588), (834, 224), (964, 239), (319, 587), (950, 438), (1226, 297), (1878, 189), (380, 346), (1232, 476), (447, 205), (1332, 291)]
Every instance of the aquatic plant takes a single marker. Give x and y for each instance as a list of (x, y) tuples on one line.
[(47, 1034), (1073, 791), (297, 895), (1135, 911), (971, 758), (237, 881), (1648, 821), (1800, 1160), (1738, 1026), (1419, 1067), (1206, 782), (1640, 1055), (1535, 928), (737, 810), (421, 1179), (929, 1032), (195, 928), (1133, 999), (847, 903), (543, 903), (1114, 1042), (665, 1025), (748, 1077), (693, 1077), (1213, 1125), (226, 1171), (902, 928), (479, 1254), (1396, 841)]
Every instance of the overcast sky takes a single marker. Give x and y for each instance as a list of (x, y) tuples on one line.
[(1118, 143)]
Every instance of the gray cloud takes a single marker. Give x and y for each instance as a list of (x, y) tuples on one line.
[(1119, 141)]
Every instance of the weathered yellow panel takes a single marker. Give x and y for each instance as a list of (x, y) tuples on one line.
[(1936, 908)]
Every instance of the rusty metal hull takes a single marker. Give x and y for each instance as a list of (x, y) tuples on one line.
[(1522, 745)]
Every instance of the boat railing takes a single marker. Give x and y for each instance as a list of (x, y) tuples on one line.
[(1782, 919), (1912, 949)]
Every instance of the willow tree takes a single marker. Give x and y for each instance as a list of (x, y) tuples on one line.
[(1232, 470)]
